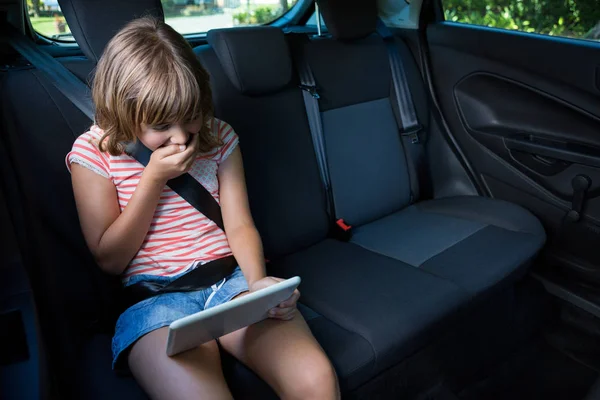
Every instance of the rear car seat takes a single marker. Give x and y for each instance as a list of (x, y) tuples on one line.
[(474, 242), (367, 309), (374, 302)]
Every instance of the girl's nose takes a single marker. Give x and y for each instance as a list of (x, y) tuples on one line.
[(178, 134)]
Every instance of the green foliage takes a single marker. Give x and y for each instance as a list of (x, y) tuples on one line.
[(257, 15), (571, 18)]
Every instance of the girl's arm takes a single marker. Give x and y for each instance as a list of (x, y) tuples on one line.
[(242, 234), (114, 237)]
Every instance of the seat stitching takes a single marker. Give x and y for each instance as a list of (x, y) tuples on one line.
[(422, 270), (373, 357), (448, 214)]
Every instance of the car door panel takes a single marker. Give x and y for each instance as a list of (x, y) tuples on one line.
[(538, 133), (525, 110)]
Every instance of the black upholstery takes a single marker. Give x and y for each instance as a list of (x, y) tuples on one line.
[(288, 203), (475, 242), (349, 19), (249, 71), (411, 273), (384, 309), (94, 22)]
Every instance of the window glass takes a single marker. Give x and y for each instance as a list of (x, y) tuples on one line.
[(186, 16), (578, 19), (197, 16), (47, 20)]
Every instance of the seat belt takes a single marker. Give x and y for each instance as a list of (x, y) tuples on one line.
[(311, 97), (184, 185), (410, 128), (63, 79)]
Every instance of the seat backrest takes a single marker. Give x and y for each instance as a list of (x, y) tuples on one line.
[(72, 294), (39, 126), (367, 163), (254, 90)]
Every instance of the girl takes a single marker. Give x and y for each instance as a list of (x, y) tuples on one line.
[(150, 87)]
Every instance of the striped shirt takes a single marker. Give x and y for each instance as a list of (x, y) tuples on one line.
[(179, 236)]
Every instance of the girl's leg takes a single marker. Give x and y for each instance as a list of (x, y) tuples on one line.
[(287, 356), (194, 374)]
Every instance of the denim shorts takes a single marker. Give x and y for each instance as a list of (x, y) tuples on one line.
[(158, 311)]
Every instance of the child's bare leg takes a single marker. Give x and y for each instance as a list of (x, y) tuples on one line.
[(287, 356), (194, 374)]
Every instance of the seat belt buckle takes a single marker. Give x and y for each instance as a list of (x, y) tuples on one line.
[(342, 224), (343, 231), (310, 89), (413, 134)]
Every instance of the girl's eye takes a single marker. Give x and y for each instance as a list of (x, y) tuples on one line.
[(161, 128)]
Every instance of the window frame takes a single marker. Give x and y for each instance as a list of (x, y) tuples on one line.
[(293, 16), (440, 17)]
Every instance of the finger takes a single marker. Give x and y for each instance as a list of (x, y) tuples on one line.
[(182, 158), (167, 151), (280, 312), (287, 316), (291, 302), (191, 151)]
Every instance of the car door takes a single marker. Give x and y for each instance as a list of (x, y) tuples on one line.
[(523, 105)]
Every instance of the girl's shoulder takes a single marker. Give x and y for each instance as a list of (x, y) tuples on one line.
[(219, 127), (86, 152), (228, 139), (90, 139)]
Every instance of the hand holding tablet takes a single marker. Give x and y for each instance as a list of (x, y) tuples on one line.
[(196, 329)]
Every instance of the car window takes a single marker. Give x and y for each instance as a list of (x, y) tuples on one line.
[(186, 16), (47, 20), (579, 19), (198, 16)]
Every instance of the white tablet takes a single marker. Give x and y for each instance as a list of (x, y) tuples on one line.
[(204, 326)]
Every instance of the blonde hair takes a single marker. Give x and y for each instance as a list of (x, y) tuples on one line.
[(148, 74)]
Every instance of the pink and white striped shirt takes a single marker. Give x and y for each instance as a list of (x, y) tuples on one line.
[(179, 236)]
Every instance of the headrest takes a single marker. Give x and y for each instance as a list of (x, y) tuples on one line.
[(94, 22), (256, 59), (349, 19)]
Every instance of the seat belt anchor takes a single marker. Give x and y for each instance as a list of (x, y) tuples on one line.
[(413, 134), (310, 89)]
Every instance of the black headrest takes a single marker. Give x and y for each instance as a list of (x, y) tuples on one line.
[(94, 22), (349, 19), (256, 60)]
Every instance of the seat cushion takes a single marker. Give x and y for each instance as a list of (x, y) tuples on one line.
[(472, 241), (372, 310), (96, 379)]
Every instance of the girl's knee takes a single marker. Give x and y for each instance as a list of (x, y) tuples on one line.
[(317, 380)]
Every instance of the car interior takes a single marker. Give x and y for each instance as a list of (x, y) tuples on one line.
[(455, 260)]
